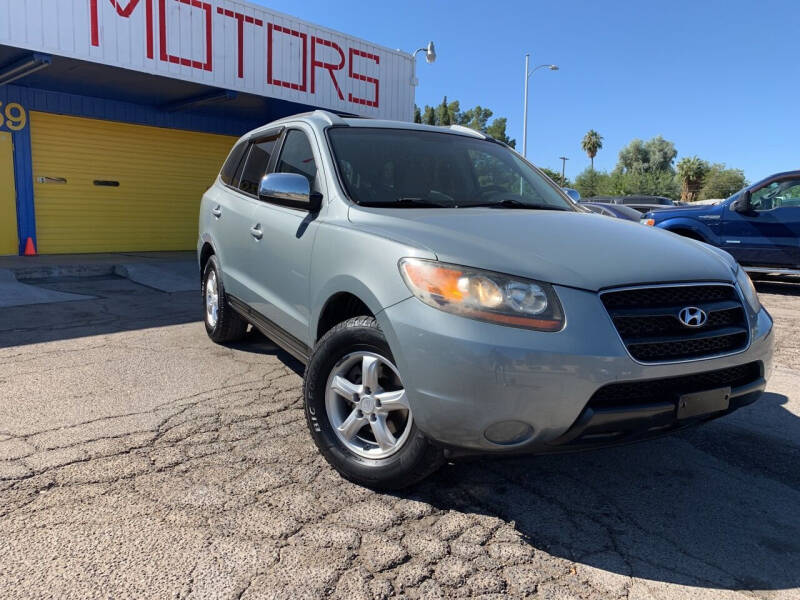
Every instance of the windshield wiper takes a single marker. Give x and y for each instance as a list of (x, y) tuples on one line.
[(407, 203), (511, 203)]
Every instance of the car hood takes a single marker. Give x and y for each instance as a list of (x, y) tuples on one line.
[(682, 211), (567, 248)]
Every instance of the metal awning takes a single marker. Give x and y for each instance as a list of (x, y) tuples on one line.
[(83, 78)]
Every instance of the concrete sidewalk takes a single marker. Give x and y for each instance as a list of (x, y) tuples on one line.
[(163, 271), (14, 293)]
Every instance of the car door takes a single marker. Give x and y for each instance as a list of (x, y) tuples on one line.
[(767, 234), (283, 254), (239, 239), (229, 213)]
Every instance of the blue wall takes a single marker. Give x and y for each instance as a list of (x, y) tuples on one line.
[(96, 108)]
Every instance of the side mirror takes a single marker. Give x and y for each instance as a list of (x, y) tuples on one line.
[(289, 189), (742, 204)]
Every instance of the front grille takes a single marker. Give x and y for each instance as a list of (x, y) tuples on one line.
[(669, 389), (647, 320)]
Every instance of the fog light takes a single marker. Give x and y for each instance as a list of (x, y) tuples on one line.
[(508, 433)]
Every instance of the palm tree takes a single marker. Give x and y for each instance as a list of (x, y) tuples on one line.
[(591, 143), (692, 171)]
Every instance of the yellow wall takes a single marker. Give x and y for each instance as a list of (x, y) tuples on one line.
[(9, 244), (162, 174)]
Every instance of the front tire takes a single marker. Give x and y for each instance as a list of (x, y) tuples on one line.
[(358, 413), (222, 323)]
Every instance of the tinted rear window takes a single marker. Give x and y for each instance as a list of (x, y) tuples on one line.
[(232, 164), (256, 166)]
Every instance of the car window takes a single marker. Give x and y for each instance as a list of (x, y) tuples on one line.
[(231, 165), (496, 175), (778, 194), (409, 168), (256, 164), (297, 157)]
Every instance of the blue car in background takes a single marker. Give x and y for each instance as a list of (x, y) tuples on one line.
[(759, 225), (574, 194)]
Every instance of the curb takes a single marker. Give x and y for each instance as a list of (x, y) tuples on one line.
[(55, 271)]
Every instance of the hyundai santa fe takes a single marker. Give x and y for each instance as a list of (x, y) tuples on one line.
[(447, 298)]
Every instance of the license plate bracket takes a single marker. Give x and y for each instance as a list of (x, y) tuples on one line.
[(703, 403)]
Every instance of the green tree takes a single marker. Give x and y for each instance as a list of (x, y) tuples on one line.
[(720, 182), (655, 155), (429, 116), (476, 118), (555, 176), (691, 171), (497, 130), (450, 113), (633, 157), (593, 183), (591, 143), (661, 154), (443, 116), (618, 183), (417, 114)]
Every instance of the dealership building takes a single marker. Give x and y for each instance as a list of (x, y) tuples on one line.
[(115, 115)]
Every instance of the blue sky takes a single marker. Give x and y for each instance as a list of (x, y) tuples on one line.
[(720, 78)]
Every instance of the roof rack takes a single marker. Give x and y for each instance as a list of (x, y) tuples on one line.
[(331, 117), (468, 131)]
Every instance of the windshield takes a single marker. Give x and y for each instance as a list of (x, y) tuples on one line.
[(411, 168)]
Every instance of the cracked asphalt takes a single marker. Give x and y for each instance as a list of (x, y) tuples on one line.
[(139, 460)]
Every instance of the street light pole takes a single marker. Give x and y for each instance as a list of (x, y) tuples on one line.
[(525, 110), (564, 160)]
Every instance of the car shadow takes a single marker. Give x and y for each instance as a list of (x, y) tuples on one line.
[(256, 342), (713, 507)]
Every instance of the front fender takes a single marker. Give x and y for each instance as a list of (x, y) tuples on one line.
[(697, 227), (350, 285), (359, 263)]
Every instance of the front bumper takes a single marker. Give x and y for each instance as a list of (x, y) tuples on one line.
[(466, 377)]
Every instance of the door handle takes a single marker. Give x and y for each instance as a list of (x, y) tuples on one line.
[(216, 211), (256, 232)]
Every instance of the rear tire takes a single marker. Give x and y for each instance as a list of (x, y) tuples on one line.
[(223, 324), (357, 411)]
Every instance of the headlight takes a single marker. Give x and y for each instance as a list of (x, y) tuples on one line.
[(748, 289), (484, 295)]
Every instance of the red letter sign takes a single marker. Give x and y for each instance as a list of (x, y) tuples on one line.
[(361, 77), (240, 21), (126, 12), (270, 54), (162, 18), (330, 67)]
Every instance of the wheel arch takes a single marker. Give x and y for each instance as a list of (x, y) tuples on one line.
[(341, 298), (348, 299), (206, 252), (691, 229)]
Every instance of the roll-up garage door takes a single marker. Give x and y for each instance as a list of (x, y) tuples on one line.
[(8, 197), (104, 186)]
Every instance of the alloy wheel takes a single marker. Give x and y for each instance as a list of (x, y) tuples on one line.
[(212, 299), (367, 405)]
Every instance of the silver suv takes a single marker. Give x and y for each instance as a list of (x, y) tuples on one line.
[(447, 298)]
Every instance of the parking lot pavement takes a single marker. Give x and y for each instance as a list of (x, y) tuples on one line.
[(139, 460)]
